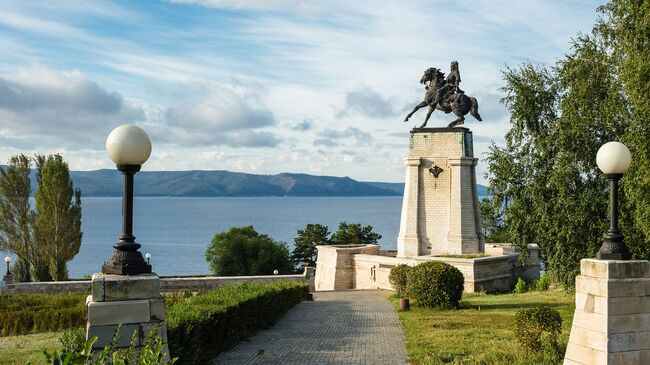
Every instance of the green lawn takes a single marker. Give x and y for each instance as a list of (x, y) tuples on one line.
[(17, 350), (481, 332)]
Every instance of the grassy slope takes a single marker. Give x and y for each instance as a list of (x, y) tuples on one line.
[(17, 350), (473, 336)]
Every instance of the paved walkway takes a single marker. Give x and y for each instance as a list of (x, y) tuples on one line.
[(345, 327)]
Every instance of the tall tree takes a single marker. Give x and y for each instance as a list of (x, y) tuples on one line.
[(57, 226), (304, 250), (351, 234), (15, 213), (545, 176)]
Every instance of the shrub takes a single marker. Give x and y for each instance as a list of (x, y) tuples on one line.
[(243, 251), (23, 314), (521, 286), (73, 340), (538, 328), (436, 284), (543, 283), (201, 327), (398, 278)]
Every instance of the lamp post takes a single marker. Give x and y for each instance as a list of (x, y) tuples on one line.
[(129, 147), (8, 260), (148, 257), (613, 159), (275, 272)]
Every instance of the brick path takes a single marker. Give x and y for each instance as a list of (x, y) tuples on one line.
[(345, 327)]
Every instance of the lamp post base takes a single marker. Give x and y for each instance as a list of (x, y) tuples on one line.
[(126, 262)]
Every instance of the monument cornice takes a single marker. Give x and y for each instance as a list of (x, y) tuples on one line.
[(440, 129)]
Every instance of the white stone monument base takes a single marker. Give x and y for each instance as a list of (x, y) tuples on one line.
[(131, 303), (611, 324)]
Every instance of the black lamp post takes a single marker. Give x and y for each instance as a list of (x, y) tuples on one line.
[(8, 260), (129, 147), (148, 257), (613, 160)]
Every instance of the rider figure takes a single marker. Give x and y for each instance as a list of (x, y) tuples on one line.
[(451, 84)]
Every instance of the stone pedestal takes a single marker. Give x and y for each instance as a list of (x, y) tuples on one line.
[(611, 325), (440, 210), (132, 303), (8, 279)]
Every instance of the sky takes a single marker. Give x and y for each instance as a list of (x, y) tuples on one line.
[(261, 86)]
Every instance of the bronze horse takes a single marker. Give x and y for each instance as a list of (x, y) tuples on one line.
[(459, 103)]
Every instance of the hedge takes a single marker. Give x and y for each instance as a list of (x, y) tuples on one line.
[(435, 284), (23, 314), (200, 328)]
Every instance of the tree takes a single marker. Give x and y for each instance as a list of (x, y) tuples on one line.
[(57, 226), (304, 251), (46, 238), (545, 185), (355, 234), (243, 251), (15, 213)]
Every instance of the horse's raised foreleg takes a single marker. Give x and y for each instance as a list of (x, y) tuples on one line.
[(431, 109), (417, 107)]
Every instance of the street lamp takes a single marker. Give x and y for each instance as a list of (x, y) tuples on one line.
[(148, 257), (8, 260), (613, 159), (275, 272), (129, 147)]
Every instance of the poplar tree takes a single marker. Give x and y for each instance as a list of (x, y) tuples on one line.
[(57, 226)]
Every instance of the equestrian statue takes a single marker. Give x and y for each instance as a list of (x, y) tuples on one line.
[(445, 95)]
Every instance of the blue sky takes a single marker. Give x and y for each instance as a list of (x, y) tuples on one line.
[(259, 86)]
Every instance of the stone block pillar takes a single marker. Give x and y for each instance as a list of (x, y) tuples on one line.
[(440, 211), (611, 324), (131, 303)]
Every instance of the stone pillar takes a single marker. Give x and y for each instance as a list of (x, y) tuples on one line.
[(611, 324), (440, 211), (464, 214), (8, 279), (132, 303), (408, 241)]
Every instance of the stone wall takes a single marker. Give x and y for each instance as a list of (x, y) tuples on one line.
[(166, 284), (364, 267)]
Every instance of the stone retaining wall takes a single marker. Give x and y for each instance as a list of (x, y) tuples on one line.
[(166, 284)]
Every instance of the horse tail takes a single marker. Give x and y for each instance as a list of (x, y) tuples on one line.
[(474, 109)]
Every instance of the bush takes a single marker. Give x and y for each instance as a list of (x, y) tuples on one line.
[(201, 327), (23, 314), (538, 328), (521, 286), (543, 283), (398, 278), (243, 251), (73, 340), (436, 284)]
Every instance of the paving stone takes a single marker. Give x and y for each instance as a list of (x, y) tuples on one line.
[(342, 327)]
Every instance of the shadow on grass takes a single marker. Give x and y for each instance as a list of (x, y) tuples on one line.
[(488, 306)]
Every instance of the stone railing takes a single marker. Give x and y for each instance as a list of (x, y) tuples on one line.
[(167, 284)]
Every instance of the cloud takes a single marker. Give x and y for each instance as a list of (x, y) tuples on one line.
[(304, 7), (46, 107), (301, 126), (325, 142), (368, 103)]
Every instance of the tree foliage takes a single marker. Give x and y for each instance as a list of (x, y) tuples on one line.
[(243, 251), (57, 226), (46, 238), (304, 251), (355, 234), (545, 184)]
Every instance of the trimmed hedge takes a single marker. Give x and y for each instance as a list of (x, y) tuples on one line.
[(23, 314), (538, 327), (200, 328), (436, 284)]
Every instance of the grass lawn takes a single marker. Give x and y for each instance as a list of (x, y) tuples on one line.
[(17, 350), (481, 331)]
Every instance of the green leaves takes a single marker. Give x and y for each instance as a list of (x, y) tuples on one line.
[(243, 251), (304, 250)]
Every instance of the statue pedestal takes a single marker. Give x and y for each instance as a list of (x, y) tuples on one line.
[(440, 210), (611, 324), (8, 279), (131, 303)]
